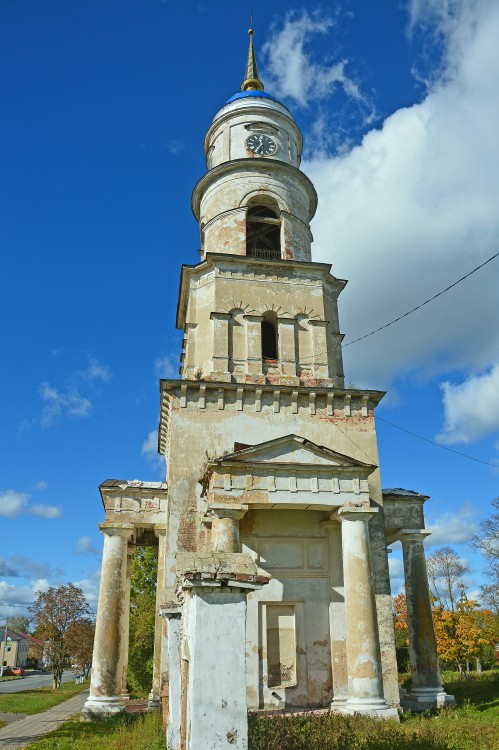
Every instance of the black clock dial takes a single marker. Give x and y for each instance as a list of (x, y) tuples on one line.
[(261, 144)]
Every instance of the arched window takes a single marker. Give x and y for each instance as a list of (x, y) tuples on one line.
[(269, 337), (263, 232)]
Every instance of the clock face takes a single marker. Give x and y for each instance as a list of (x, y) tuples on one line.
[(261, 144)]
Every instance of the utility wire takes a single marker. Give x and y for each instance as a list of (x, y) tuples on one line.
[(418, 307), (432, 442)]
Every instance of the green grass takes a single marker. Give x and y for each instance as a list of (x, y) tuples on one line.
[(41, 699), (124, 732), (11, 677), (473, 725)]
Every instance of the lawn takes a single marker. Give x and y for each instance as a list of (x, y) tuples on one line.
[(41, 699), (474, 725), (124, 732)]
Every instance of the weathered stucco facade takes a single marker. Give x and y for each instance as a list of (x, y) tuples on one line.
[(273, 585)]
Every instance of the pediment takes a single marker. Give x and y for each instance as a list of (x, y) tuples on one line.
[(292, 450)]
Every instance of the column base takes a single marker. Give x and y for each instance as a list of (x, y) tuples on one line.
[(102, 707), (153, 702), (423, 699), (378, 708)]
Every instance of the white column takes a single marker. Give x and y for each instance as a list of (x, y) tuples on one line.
[(126, 621), (220, 347), (337, 614), (427, 690), (225, 528), (365, 686), (109, 658), (254, 345), (173, 616), (319, 347), (287, 348), (154, 695)]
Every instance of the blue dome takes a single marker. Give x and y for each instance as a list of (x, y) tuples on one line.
[(253, 93)]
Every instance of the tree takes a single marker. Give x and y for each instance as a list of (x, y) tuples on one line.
[(487, 541), (19, 624), (444, 575), (464, 633), (142, 618), (54, 611), (400, 620), (80, 637)]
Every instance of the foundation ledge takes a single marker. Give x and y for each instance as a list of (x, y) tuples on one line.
[(424, 699), (375, 708), (101, 707)]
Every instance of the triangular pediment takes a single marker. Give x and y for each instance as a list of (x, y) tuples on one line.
[(291, 449)]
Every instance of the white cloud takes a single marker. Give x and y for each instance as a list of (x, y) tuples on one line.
[(413, 208), (167, 366), (19, 566), (95, 371), (85, 545), (452, 528), (292, 72), (69, 403), (471, 407), (11, 597), (90, 587), (41, 485), (12, 503), (150, 451), (45, 511)]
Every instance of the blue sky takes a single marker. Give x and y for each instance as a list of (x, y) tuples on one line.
[(105, 107)]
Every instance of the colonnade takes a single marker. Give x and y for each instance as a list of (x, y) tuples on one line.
[(108, 686), (356, 658)]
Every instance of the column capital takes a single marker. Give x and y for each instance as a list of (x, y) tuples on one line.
[(234, 511), (124, 530), (220, 316), (160, 529), (412, 535), (354, 514)]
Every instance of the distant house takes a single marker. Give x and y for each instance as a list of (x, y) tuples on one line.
[(14, 648)]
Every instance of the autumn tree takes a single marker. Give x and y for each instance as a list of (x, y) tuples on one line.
[(445, 570), (19, 624), (80, 636), (142, 618), (487, 542), (54, 611), (464, 633)]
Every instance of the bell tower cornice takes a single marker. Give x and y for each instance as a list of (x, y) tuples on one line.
[(261, 166)]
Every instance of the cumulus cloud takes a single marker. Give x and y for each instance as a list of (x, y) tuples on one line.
[(85, 546), (396, 568), (45, 511), (150, 452), (471, 407), (62, 403), (414, 207), (41, 485), (95, 371), (292, 71), (452, 528), (14, 598), (167, 366), (23, 567), (13, 503)]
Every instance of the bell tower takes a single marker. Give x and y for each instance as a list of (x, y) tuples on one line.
[(273, 314), (272, 529)]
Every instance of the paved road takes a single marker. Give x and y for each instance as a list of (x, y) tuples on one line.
[(33, 681)]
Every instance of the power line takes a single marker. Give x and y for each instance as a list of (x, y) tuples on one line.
[(418, 307), (432, 442)]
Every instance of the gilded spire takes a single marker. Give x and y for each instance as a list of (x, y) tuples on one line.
[(251, 79)]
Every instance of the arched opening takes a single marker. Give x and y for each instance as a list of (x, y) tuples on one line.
[(269, 337), (263, 232)]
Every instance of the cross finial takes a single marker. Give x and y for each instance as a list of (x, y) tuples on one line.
[(251, 78)]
